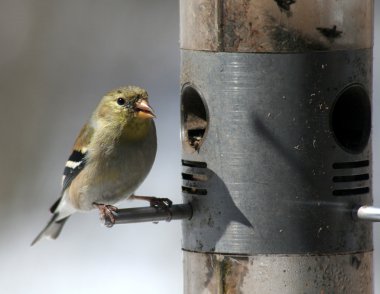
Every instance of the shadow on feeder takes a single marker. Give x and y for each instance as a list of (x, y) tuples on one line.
[(300, 168), (214, 213)]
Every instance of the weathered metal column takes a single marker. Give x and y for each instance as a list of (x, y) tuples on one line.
[(276, 133)]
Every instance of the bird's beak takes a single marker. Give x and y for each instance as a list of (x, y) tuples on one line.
[(144, 110)]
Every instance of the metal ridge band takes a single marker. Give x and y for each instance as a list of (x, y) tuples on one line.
[(268, 173)]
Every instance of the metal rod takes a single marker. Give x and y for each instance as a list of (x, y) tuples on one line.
[(369, 213), (151, 214)]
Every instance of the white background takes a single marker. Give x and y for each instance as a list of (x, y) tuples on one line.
[(57, 59)]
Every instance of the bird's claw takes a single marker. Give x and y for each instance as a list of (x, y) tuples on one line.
[(107, 213), (162, 203)]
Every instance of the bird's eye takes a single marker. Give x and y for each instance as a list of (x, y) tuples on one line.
[(121, 101)]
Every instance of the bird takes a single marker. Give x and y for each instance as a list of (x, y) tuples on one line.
[(111, 157)]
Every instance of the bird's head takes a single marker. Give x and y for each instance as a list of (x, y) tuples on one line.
[(125, 103), (125, 107)]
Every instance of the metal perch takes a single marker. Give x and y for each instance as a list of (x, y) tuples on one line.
[(369, 213), (151, 214)]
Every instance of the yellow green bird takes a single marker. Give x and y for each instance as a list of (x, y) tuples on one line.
[(111, 157)]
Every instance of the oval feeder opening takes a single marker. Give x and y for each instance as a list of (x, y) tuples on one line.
[(194, 116), (351, 119)]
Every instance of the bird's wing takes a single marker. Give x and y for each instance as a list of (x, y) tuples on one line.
[(76, 161)]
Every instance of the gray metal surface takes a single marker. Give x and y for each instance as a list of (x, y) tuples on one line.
[(151, 214), (274, 274), (274, 163)]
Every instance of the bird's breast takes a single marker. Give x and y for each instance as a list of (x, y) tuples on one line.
[(116, 175)]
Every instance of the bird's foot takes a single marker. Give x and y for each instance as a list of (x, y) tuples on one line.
[(106, 213), (162, 203), (158, 203)]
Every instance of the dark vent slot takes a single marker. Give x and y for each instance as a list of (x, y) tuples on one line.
[(196, 177), (195, 191), (348, 192), (354, 164), (354, 178), (194, 163)]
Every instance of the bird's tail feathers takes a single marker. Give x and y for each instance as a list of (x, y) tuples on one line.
[(52, 229)]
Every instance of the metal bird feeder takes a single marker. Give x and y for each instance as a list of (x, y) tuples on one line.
[(276, 134), (276, 147)]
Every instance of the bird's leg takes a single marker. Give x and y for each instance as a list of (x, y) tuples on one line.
[(106, 213), (163, 203)]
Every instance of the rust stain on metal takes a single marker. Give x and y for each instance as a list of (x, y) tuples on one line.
[(226, 273), (245, 26), (274, 26), (198, 19), (330, 33), (235, 25), (355, 261), (283, 37), (209, 273), (285, 5)]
